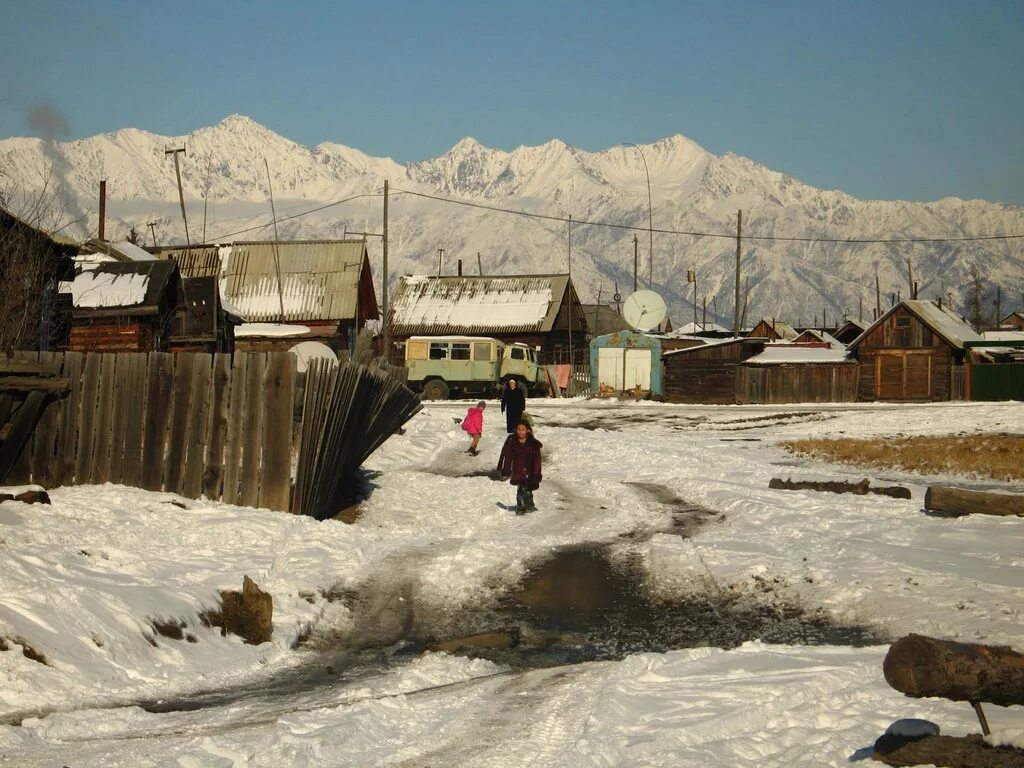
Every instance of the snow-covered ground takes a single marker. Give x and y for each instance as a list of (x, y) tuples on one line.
[(83, 581)]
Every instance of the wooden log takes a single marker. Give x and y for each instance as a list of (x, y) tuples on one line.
[(946, 752), (839, 486), (956, 502), (922, 666), (31, 383)]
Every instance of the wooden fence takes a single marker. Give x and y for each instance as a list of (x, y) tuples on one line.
[(831, 383), (223, 427)]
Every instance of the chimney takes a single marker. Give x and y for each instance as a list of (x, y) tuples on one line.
[(103, 207)]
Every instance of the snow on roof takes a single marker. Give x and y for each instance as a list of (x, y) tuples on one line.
[(708, 343), (692, 328), (93, 289), (942, 321), (471, 304), (270, 329), (1003, 335), (797, 353), (824, 336), (132, 252)]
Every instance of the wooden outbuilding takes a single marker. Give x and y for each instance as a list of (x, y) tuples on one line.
[(122, 307), (811, 372), (323, 288), (915, 351), (1012, 322), (540, 310), (773, 330), (850, 330), (707, 374)]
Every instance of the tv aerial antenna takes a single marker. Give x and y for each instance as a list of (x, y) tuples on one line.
[(644, 310)]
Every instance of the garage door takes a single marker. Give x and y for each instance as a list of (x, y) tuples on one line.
[(609, 367), (638, 369)]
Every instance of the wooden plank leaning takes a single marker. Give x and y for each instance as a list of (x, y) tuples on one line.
[(14, 446), (213, 470), (252, 431), (87, 419), (236, 420), (104, 420), (131, 464), (71, 406), (177, 437), (159, 379), (278, 408), (119, 423), (197, 428)]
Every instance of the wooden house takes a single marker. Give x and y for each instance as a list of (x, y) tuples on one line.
[(540, 310), (319, 290), (773, 330), (33, 264), (915, 351), (201, 323), (707, 374), (122, 307), (819, 337), (603, 319), (1012, 322)]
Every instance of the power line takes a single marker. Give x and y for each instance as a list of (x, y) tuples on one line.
[(301, 214), (729, 236)]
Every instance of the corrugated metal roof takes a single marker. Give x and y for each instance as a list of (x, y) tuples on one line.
[(472, 305), (319, 278)]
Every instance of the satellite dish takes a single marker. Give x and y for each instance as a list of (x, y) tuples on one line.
[(306, 351), (644, 310)]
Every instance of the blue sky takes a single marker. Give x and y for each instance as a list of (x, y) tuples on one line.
[(891, 100)]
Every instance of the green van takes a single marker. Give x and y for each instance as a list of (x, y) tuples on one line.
[(440, 366)]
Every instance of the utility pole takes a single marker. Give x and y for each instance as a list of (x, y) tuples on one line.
[(181, 193), (636, 261), (569, 319), (739, 242), (878, 296), (910, 281), (384, 283), (746, 298), (479, 264), (277, 254), (152, 231), (999, 306), (440, 255)]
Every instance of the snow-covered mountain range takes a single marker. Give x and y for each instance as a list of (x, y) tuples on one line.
[(225, 180)]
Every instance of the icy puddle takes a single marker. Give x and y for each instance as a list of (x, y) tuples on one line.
[(584, 605)]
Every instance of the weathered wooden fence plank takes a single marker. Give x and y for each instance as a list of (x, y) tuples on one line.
[(44, 439), (15, 459), (278, 408), (87, 419), (252, 436), (197, 428), (104, 421), (71, 406), (118, 428), (159, 378), (131, 464), (236, 417), (177, 439), (213, 470)]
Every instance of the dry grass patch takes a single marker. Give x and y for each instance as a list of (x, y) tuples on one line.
[(995, 456)]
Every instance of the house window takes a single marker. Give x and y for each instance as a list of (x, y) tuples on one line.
[(460, 351), (438, 350)]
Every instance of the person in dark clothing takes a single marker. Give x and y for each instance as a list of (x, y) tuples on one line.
[(513, 403), (520, 461)]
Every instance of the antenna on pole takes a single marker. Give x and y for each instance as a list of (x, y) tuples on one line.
[(277, 253), (181, 194), (152, 231)]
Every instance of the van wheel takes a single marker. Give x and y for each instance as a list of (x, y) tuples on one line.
[(435, 389)]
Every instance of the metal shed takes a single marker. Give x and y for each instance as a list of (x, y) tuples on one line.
[(626, 361)]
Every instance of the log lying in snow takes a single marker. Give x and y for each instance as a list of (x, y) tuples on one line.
[(923, 666), (955, 502), (839, 486), (946, 751)]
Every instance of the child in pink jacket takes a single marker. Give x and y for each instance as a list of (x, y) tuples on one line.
[(474, 425)]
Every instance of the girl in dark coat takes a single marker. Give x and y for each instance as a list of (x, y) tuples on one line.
[(520, 461), (513, 403)]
